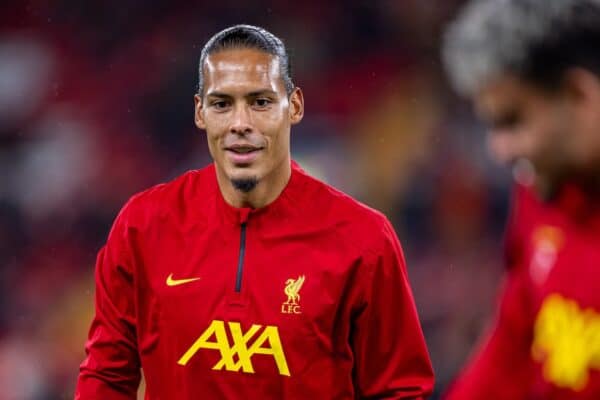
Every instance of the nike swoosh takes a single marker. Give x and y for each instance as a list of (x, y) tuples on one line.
[(177, 282)]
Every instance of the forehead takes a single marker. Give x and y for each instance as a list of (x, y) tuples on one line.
[(506, 92), (234, 70)]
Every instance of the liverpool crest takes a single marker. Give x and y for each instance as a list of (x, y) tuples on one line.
[(292, 291)]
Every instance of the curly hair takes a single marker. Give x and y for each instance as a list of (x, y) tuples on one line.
[(536, 40)]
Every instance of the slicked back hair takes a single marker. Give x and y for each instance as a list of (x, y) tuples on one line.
[(247, 37), (536, 40)]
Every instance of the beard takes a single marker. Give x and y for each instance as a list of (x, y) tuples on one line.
[(244, 185)]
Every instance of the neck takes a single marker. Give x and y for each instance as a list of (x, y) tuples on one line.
[(264, 193), (587, 182)]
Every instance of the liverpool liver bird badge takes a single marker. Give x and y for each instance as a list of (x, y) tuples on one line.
[(292, 291)]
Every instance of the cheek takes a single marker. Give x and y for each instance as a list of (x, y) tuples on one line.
[(212, 149), (213, 141), (585, 140), (273, 128), (279, 140), (501, 148), (550, 146), (586, 148), (272, 121), (216, 125), (540, 132), (561, 138)]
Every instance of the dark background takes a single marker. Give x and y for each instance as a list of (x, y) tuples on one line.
[(96, 103)]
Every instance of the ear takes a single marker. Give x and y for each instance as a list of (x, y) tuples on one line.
[(582, 89), (198, 109), (296, 106)]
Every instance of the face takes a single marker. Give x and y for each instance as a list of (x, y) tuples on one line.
[(554, 132), (247, 114)]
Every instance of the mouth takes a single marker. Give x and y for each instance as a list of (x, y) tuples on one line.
[(243, 148), (243, 154)]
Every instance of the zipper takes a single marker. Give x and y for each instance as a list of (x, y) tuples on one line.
[(240, 267)]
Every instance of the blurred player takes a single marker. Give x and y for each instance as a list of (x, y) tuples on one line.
[(532, 69), (249, 279)]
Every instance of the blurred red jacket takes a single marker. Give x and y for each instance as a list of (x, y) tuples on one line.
[(546, 340), (306, 298)]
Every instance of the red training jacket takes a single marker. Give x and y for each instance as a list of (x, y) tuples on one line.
[(546, 340), (306, 298)]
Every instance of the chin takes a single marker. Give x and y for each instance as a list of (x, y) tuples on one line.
[(242, 173)]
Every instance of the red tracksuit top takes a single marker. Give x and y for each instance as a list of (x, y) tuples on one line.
[(306, 298), (546, 340)]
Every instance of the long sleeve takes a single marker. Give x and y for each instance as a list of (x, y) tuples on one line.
[(390, 353), (111, 370), (501, 366)]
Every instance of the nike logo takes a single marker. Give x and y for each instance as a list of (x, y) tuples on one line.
[(177, 282)]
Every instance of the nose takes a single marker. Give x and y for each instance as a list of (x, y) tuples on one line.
[(241, 122), (503, 147)]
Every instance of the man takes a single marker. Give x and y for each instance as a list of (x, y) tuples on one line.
[(532, 68), (249, 278)]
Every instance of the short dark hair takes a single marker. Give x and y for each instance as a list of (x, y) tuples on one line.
[(536, 40), (252, 37)]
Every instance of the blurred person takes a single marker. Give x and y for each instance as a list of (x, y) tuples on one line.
[(249, 278), (532, 69)]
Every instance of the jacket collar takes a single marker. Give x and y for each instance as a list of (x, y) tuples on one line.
[(283, 207)]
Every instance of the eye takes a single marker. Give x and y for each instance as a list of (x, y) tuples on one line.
[(262, 102), (219, 104), (506, 121)]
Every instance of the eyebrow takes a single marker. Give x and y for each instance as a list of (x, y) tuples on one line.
[(217, 94), (255, 93), (268, 92)]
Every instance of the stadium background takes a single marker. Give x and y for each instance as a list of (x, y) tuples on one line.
[(96, 104)]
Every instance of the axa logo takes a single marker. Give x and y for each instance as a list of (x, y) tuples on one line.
[(567, 342), (292, 291), (238, 356)]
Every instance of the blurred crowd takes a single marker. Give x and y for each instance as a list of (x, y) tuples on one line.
[(96, 104)]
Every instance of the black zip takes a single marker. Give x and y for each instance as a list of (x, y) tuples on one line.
[(240, 268)]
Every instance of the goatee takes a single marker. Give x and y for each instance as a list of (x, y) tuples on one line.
[(244, 185)]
